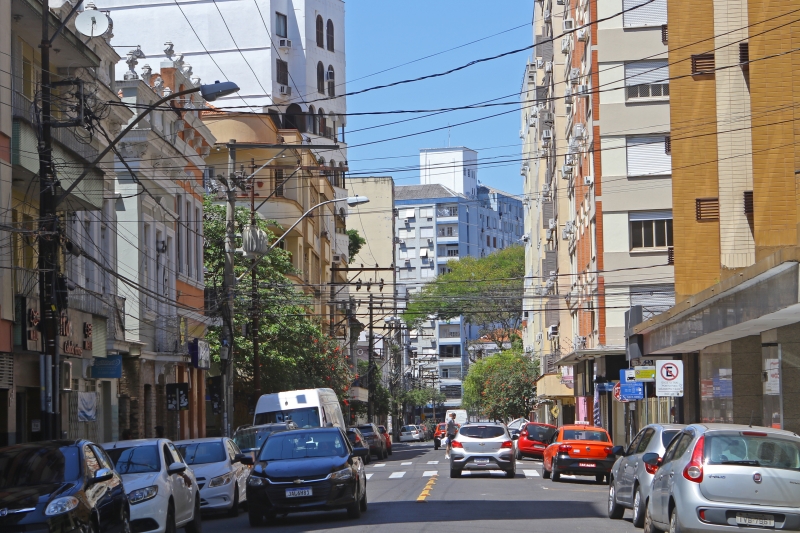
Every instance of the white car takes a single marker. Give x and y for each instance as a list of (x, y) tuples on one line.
[(220, 473), (410, 433), (162, 490)]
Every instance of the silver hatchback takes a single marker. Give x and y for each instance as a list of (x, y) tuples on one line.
[(630, 477), (722, 477), (485, 446)]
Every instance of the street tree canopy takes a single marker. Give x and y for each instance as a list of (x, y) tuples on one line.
[(487, 291)]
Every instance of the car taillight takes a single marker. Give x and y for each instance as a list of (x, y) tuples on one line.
[(507, 444), (607, 449), (564, 448), (754, 433), (651, 469), (456, 444), (694, 470)]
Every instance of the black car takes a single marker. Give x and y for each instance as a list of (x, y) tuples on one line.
[(358, 440), (61, 486), (313, 469), (377, 445)]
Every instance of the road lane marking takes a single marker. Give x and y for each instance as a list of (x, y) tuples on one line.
[(428, 488), (531, 473), (429, 473), (397, 475), (379, 465), (369, 476), (433, 462), (406, 464)]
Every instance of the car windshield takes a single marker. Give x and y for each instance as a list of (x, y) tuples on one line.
[(540, 433), (585, 434), (303, 444), (366, 429), (202, 453), (441, 426), (752, 448), (482, 432), (245, 439), (136, 460), (25, 466), (668, 435), (307, 417)]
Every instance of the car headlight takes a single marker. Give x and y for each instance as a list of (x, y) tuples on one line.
[(61, 505), (141, 495), (255, 481), (343, 474), (221, 480)]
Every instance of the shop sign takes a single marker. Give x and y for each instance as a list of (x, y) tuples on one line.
[(75, 330), (107, 367), (631, 391), (605, 387), (177, 397), (772, 372), (645, 373), (200, 353), (669, 378)]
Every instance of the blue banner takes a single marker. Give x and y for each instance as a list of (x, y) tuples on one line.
[(631, 391), (109, 367)]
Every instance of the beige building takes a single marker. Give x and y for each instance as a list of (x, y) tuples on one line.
[(6, 293)]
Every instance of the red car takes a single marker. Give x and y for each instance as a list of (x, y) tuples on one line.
[(533, 439), (387, 438)]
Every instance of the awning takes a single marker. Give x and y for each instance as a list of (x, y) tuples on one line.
[(587, 354)]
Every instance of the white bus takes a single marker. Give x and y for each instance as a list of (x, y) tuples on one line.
[(307, 408)]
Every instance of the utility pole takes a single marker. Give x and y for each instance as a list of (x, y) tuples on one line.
[(228, 282), (254, 325), (371, 371)]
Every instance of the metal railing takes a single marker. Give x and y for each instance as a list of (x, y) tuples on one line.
[(88, 302), (167, 334), (447, 211), (447, 232)]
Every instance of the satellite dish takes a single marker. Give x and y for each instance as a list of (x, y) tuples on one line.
[(92, 23)]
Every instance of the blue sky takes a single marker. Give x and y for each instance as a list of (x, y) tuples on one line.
[(383, 34)]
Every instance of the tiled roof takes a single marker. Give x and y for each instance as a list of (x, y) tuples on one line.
[(414, 192)]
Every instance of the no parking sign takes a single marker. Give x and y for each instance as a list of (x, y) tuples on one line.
[(669, 378)]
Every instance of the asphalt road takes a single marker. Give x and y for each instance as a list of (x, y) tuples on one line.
[(472, 503)]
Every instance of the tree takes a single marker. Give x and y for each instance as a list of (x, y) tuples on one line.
[(356, 242), (502, 386), (486, 291)]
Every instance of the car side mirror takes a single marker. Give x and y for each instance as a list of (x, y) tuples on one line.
[(103, 474), (247, 460), (514, 437), (651, 459), (176, 468), (361, 451), (618, 450), (238, 458)]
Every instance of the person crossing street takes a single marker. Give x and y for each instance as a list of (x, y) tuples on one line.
[(452, 429)]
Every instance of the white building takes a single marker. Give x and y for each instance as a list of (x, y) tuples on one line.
[(455, 168)]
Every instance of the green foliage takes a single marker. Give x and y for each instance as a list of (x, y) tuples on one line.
[(502, 386), (356, 242), (293, 350), (487, 291), (424, 396)]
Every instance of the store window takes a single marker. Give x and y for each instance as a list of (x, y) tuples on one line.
[(716, 388)]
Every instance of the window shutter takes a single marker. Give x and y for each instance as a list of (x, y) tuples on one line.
[(650, 14), (654, 299), (548, 212), (668, 145), (707, 209), (634, 216), (664, 34), (544, 47), (744, 54), (647, 156), (646, 72), (551, 311), (550, 263), (702, 64), (748, 203)]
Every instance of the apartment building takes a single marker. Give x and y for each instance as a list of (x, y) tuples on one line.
[(435, 225), (609, 237), (735, 325), (6, 276)]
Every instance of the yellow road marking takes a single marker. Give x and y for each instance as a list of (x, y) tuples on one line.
[(427, 490)]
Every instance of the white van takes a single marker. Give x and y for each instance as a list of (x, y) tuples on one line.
[(461, 416), (309, 408)]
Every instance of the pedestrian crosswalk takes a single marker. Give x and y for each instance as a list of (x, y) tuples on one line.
[(529, 474)]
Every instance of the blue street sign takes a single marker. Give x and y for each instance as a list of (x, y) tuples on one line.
[(631, 391), (108, 367)]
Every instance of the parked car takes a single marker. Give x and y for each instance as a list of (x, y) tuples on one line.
[(358, 441), (61, 485), (250, 438), (630, 479), (221, 472), (315, 469), (579, 450), (484, 446), (377, 444), (387, 437), (426, 431), (533, 439), (410, 434), (162, 489), (439, 435), (726, 477)]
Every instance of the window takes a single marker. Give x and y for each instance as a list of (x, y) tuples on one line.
[(331, 81), (707, 209), (651, 229), (320, 78), (749, 208), (452, 252), (646, 79), (702, 64), (330, 35), (444, 270), (488, 243), (453, 350), (281, 26), (282, 72), (320, 32), (279, 183), (494, 242), (426, 233), (647, 156), (644, 13), (410, 233)]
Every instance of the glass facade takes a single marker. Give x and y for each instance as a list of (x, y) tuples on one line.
[(716, 388)]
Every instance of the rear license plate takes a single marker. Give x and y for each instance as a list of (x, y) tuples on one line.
[(751, 519), (482, 461), (298, 493), (587, 465)]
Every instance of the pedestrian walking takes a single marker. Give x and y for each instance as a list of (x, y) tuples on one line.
[(451, 431)]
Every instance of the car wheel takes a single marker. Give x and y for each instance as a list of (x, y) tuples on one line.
[(256, 516), (196, 525), (556, 476), (455, 473), (545, 472), (519, 455), (674, 525), (615, 510), (354, 510), (170, 525), (512, 473), (638, 507), (648, 526), (600, 478), (363, 503), (233, 512)]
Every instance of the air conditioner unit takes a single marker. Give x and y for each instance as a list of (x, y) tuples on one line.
[(566, 172), (568, 25), (539, 63), (567, 95), (583, 90), (569, 226), (548, 16), (330, 76), (565, 45), (66, 375), (532, 122), (548, 235), (571, 160), (547, 136), (401, 241), (336, 258), (539, 337), (397, 240), (579, 342), (551, 223), (583, 34), (552, 332), (548, 67), (285, 90), (405, 220), (565, 237), (579, 131), (588, 181), (430, 241), (574, 75), (284, 43), (560, 2)]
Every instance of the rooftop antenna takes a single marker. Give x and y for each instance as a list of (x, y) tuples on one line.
[(92, 22), (448, 135)]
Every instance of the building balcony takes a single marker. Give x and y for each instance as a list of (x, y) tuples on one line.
[(446, 219), (450, 340), (88, 302), (447, 239)]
